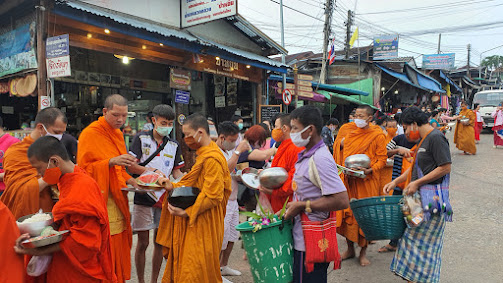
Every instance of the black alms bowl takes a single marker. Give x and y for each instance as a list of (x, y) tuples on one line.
[(183, 197)]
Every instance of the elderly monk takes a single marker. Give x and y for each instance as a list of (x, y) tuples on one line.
[(102, 153), (369, 140), (285, 157), (464, 135), (192, 238), (25, 191), (84, 255), (11, 264)]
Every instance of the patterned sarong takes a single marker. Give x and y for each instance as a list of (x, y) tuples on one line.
[(418, 257)]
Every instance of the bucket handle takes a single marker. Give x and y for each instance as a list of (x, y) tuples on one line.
[(282, 224)]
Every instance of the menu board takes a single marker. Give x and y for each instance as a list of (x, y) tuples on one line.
[(267, 112)]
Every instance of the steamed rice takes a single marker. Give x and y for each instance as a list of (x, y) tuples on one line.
[(39, 217)]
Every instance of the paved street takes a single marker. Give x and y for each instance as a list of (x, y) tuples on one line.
[(473, 242)]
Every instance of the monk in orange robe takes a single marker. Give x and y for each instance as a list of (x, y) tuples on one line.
[(192, 238), (464, 135), (11, 264), (369, 140), (102, 153), (339, 140), (25, 191), (84, 255), (387, 172), (285, 157)]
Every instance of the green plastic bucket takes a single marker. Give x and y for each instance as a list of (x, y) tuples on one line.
[(269, 251)]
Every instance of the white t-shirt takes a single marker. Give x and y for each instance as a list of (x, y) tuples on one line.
[(479, 117), (234, 194)]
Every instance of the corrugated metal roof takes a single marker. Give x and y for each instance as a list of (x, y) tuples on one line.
[(154, 27), (328, 87)]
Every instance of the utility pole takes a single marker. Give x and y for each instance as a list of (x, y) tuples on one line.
[(469, 47), (327, 30), (439, 40), (282, 45), (41, 30), (349, 23)]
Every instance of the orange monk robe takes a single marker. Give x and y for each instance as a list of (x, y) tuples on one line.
[(464, 135), (22, 195), (192, 245), (285, 157), (98, 143), (85, 254), (11, 264), (343, 132), (371, 142), (387, 172)]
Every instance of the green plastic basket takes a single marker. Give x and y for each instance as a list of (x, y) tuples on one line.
[(269, 251), (380, 218)]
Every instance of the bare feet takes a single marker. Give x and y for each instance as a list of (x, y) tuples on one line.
[(364, 261), (348, 254)]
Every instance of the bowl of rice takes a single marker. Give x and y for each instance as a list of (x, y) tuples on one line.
[(33, 224)]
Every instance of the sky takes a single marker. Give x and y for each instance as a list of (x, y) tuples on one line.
[(417, 22)]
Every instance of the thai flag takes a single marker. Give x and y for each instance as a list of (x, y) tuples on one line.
[(331, 53)]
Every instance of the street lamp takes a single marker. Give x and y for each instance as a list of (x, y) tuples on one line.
[(480, 62)]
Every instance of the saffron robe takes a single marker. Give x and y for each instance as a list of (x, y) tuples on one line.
[(22, 195), (371, 142), (387, 172), (285, 157), (11, 264), (464, 135), (98, 143), (85, 254), (343, 132), (192, 245)]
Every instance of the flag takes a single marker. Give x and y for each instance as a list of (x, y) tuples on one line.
[(331, 53), (354, 37)]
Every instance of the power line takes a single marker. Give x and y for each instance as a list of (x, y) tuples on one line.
[(300, 12), (436, 7)]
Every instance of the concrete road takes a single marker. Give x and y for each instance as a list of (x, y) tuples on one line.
[(473, 241)]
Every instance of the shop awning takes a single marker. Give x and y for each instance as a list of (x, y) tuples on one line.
[(151, 31), (332, 95), (423, 82), (449, 81), (327, 87), (421, 79)]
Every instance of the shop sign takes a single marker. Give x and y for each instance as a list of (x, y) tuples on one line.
[(386, 47), (58, 67), (57, 51), (196, 12), (17, 51), (227, 65), (219, 101), (268, 112), (180, 79), (182, 96), (45, 101), (439, 61)]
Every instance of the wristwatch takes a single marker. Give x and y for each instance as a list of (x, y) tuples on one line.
[(236, 152), (308, 207)]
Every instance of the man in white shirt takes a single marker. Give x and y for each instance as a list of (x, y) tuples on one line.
[(228, 134)]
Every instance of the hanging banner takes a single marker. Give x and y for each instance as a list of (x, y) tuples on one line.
[(199, 12), (386, 47), (17, 51), (180, 79), (439, 61), (57, 52)]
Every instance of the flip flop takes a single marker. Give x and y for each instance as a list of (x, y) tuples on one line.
[(386, 249)]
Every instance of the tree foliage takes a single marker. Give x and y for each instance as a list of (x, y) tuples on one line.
[(492, 62)]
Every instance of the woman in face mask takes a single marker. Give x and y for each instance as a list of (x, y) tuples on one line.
[(432, 164)]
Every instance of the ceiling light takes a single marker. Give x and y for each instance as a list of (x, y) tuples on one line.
[(107, 31), (396, 91), (383, 89), (89, 35), (248, 66), (161, 44), (217, 58), (143, 47), (124, 59)]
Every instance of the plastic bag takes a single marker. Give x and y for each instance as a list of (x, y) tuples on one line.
[(264, 202), (148, 178), (38, 265), (412, 210)]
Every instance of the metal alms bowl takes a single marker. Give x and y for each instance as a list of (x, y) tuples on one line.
[(357, 160), (183, 197), (35, 228), (273, 178), (465, 121)]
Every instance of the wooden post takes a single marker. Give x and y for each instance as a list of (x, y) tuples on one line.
[(41, 37), (296, 83)]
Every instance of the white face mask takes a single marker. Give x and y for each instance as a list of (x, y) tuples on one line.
[(360, 123), (298, 140), (59, 137), (227, 145)]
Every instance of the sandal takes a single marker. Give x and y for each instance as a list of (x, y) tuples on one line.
[(387, 249)]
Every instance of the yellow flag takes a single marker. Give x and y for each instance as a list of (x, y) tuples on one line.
[(354, 37)]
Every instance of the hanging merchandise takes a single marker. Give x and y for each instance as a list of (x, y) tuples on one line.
[(27, 85)]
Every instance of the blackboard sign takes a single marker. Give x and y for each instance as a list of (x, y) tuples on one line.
[(267, 112)]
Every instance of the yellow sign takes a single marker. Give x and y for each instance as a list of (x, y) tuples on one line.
[(305, 83), (306, 94), (305, 77), (305, 88)]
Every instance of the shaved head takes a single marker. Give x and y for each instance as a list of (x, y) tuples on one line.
[(284, 119), (115, 99), (368, 109), (197, 121), (49, 115)]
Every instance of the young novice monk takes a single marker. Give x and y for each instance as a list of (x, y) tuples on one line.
[(84, 255)]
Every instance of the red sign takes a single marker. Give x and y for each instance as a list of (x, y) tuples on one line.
[(287, 96)]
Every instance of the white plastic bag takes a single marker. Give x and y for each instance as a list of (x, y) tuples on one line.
[(38, 265)]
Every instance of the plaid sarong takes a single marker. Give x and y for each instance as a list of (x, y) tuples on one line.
[(418, 257)]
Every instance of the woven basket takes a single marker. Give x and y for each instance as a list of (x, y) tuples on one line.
[(380, 218)]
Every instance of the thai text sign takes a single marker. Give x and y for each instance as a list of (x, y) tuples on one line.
[(439, 61), (180, 79), (57, 46), (386, 47), (196, 12), (182, 96), (58, 67)]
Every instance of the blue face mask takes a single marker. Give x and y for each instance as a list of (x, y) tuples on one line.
[(350, 120), (164, 131), (240, 126)]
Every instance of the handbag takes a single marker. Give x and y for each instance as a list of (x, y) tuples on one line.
[(38, 265), (320, 237)]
